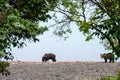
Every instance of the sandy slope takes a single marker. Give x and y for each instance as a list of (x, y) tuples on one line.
[(61, 70)]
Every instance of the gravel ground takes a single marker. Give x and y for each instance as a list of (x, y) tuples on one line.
[(61, 70)]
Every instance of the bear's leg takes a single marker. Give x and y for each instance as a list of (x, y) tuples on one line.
[(105, 60), (110, 61), (54, 60), (44, 60)]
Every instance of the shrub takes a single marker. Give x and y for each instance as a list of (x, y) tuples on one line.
[(112, 78)]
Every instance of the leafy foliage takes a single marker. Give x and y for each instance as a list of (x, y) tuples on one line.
[(19, 22), (3, 68), (94, 18), (112, 78)]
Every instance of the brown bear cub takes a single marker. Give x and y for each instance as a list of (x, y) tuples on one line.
[(48, 56), (108, 56)]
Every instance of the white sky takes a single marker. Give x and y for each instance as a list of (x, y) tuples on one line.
[(75, 48)]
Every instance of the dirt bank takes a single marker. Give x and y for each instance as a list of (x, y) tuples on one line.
[(61, 70)]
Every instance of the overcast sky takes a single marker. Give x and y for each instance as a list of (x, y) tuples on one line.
[(75, 48)]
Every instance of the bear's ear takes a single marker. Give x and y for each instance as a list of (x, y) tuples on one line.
[(46, 53)]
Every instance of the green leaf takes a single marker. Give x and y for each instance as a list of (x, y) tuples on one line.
[(89, 38)]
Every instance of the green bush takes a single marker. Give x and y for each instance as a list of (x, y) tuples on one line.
[(3, 68), (112, 78)]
